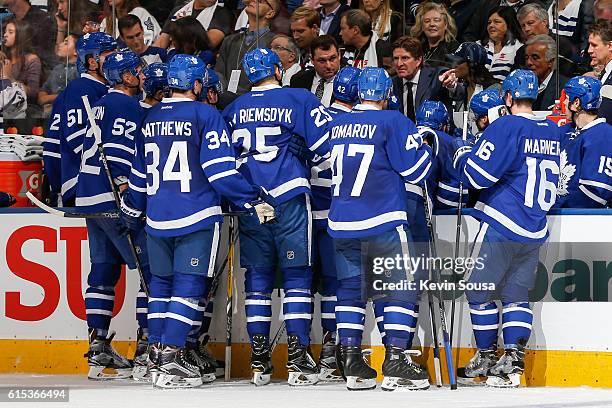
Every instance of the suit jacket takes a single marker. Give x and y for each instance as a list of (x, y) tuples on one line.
[(549, 95), (605, 109), (334, 27), (429, 87), (304, 79)]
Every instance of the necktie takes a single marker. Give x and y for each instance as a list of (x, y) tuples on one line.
[(409, 108), (320, 89)]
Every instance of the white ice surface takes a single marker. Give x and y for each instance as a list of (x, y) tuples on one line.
[(240, 393)]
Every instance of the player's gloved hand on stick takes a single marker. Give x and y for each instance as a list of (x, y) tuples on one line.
[(297, 146), (263, 207), (129, 216), (460, 147), (6, 200), (458, 132)]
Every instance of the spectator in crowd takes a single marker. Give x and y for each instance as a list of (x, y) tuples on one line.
[(123, 7), (363, 46), (26, 67), (41, 24), (233, 48), (386, 23), (64, 72), (189, 37), (305, 28), (463, 12), (131, 33), (84, 16), (575, 17), (13, 99), (602, 9), (540, 54), (289, 54), (533, 20), (416, 82), (470, 61), (600, 51), (437, 32), (216, 20), (330, 13), (480, 20), (501, 41), (320, 79)]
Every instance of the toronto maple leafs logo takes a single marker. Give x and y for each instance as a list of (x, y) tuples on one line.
[(566, 171), (148, 24), (119, 57), (158, 72), (485, 98)]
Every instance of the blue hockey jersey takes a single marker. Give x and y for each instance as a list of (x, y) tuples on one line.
[(262, 123), (184, 163), (373, 154), (72, 128), (51, 146), (321, 176), (118, 116), (585, 179), (516, 165)]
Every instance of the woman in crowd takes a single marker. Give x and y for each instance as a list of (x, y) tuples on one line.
[(25, 65), (122, 7), (437, 31), (386, 23), (189, 37), (501, 41)]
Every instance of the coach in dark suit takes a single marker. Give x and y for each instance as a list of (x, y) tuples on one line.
[(600, 35), (330, 12), (416, 83)]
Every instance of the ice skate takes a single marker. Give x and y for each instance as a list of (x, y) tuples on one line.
[(400, 372), (359, 375), (328, 366), (153, 361), (261, 364), (508, 370), (176, 371), (207, 369), (477, 370), (140, 372), (104, 362), (301, 366), (206, 354)]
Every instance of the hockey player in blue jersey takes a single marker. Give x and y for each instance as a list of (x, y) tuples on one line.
[(262, 123), (585, 179), (374, 152), (184, 156), (155, 84), (91, 50), (515, 164), (117, 115), (487, 106)]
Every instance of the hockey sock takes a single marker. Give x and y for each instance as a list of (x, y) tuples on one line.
[(183, 308), (350, 311), (485, 322), (194, 333), (328, 313), (379, 315), (258, 308), (160, 290), (142, 308), (100, 296), (400, 321), (516, 323), (297, 305), (207, 319)]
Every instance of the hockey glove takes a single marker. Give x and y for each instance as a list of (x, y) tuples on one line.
[(430, 138), (264, 211), (298, 147), (460, 147), (131, 217), (6, 200), (458, 132)]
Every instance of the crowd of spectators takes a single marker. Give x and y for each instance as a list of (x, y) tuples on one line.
[(416, 41)]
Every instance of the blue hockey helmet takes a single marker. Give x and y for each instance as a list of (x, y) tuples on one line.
[(586, 89), (212, 81), (374, 84), (117, 63), (485, 100), (93, 44), (156, 78), (472, 53), (345, 84), (259, 64), (432, 114), (521, 84), (393, 102), (184, 70)]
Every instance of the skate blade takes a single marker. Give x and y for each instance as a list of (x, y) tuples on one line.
[(472, 381), (354, 383), (220, 372), (208, 378), (330, 375), (99, 373), (139, 373), (297, 378), (260, 378), (504, 381), (170, 381), (397, 383)]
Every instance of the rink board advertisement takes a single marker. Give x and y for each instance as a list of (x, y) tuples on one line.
[(45, 262)]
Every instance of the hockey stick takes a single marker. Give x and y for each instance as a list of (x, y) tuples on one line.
[(229, 302), (66, 214), (282, 329), (438, 278), (98, 139), (457, 237)]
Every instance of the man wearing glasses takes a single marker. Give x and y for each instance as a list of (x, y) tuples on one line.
[(288, 52)]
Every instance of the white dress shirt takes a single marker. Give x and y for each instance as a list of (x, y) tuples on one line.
[(328, 89)]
